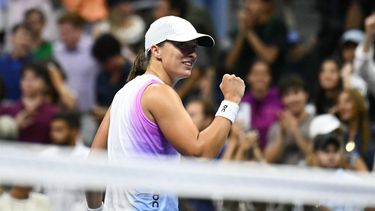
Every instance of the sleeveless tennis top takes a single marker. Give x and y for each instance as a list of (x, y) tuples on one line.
[(131, 133)]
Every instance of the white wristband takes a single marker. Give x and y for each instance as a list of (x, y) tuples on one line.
[(228, 110), (96, 209)]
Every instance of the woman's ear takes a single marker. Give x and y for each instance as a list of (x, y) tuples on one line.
[(155, 51)]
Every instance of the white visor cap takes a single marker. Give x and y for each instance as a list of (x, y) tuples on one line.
[(174, 29)]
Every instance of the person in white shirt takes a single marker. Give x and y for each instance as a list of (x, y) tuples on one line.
[(364, 62), (21, 198), (65, 132)]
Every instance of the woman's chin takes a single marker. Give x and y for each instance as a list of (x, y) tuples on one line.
[(185, 74)]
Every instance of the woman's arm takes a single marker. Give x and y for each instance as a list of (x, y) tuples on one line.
[(101, 136), (162, 105), (95, 199)]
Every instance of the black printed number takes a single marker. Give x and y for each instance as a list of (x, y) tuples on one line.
[(224, 107)]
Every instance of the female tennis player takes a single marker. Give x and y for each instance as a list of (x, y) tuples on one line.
[(147, 117)]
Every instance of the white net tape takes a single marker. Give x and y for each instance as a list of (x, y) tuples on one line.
[(189, 178)]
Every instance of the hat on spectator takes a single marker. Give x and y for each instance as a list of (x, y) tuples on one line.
[(323, 124), (174, 29), (353, 36)]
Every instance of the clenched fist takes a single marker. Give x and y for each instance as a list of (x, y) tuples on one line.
[(233, 88)]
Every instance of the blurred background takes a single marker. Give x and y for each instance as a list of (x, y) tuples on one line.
[(309, 68)]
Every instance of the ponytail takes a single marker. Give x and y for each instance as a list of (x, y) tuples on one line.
[(139, 66)]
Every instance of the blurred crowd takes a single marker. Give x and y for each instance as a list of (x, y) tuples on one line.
[(309, 67)]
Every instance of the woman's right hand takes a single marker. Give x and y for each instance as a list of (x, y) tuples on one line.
[(233, 88)]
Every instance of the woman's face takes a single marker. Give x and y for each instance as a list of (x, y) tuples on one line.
[(345, 107), (259, 77), (31, 84), (329, 75), (178, 58)]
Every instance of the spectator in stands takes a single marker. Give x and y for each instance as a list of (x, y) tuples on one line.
[(73, 52), (124, 24), (330, 85), (17, 9), (260, 35), (242, 145), (31, 112), (364, 61), (202, 112), (288, 139), (12, 62), (328, 152), (59, 93), (364, 55), (42, 49), (65, 127), (332, 80), (335, 18), (358, 137), (113, 76), (263, 99), (349, 41), (22, 198)]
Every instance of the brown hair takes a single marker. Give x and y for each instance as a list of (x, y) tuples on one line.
[(141, 63), (73, 19), (361, 114)]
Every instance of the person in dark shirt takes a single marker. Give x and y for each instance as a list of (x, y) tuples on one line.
[(115, 70), (11, 62), (260, 35), (32, 113)]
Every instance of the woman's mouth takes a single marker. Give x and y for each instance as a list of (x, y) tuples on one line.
[(188, 64)]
